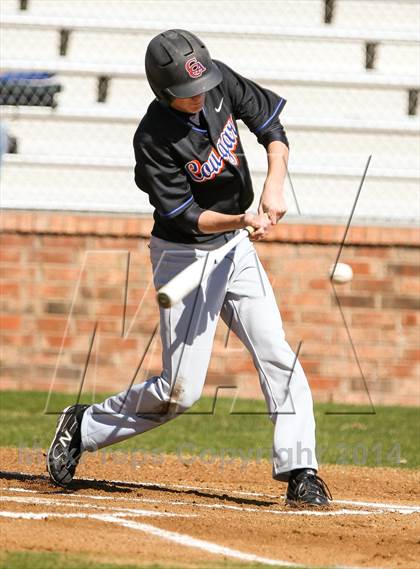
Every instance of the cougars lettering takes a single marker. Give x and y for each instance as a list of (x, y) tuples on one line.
[(226, 144)]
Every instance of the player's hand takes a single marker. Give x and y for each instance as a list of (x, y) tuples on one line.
[(272, 201), (260, 223)]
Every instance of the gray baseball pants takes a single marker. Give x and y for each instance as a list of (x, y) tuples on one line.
[(239, 291)]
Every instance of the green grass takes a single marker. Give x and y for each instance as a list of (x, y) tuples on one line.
[(386, 438), (50, 560)]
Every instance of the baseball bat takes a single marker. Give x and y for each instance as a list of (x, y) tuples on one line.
[(191, 277)]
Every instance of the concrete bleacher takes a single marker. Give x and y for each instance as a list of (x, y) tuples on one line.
[(180, 12), (349, 14), (377, 14), (110, 183), (30, 44), (102, 138), (289, 48), (72, 184), (337, 113), (353, 95), (398, 59), (255, 50)]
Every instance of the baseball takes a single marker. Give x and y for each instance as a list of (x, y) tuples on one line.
[(343, 273)]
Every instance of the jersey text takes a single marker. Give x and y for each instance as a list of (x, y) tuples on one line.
[(224, 151)]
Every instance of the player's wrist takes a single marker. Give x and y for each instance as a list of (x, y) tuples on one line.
[(242, 221), (247, 220)]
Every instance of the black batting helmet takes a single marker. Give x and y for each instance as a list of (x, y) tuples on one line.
[(178, 65)]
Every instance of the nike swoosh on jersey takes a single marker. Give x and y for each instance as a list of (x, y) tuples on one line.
[(217, 109)]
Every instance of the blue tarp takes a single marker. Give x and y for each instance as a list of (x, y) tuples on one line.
[(25, 76)]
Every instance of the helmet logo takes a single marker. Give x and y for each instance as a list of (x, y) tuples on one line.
[(194, 68)]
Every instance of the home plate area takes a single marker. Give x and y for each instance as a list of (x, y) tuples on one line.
[(203, 514)]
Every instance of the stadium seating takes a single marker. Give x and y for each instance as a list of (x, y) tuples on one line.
[(107, 135), (129, 84), (181, 13), (377, 14), (338, 112)]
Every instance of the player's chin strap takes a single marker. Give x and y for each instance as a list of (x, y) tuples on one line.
[(163, 102)]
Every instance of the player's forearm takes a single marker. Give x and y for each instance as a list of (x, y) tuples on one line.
[(214, 222), (272, 200), (277, 157)]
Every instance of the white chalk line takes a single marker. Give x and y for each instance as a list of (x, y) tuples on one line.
[(76, 504), (40, 515), (415, 508), (178, 538), (54, 502), (319, 513), (381, 505), (378, 505), (379, 508)]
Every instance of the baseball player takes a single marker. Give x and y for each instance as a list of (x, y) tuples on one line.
[(190, 161)]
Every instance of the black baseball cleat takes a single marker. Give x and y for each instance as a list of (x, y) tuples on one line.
[(65, 450), (305, 488)]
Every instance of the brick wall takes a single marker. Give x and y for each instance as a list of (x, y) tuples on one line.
[(63, 291)]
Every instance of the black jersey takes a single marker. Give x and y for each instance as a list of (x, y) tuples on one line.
[(190, 164)]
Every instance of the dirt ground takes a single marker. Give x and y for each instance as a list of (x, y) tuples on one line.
[(131, 508)]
